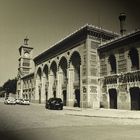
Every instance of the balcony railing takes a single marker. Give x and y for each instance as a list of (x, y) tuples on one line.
[(112, 79), (132, 76)]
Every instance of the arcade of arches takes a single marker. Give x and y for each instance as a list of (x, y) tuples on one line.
[(55, 79)]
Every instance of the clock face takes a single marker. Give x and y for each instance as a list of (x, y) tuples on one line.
[(26, 54)]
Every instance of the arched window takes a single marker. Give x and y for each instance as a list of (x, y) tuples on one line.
[(112, 61), (134, 56)]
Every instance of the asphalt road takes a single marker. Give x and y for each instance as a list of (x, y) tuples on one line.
[(34, 122)]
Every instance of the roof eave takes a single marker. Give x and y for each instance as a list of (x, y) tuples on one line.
[(129, 38)]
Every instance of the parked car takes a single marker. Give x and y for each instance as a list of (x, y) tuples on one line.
[(18, 101), (10, 101), (25, 102), (5, 101), (54, 103), (22, 101)]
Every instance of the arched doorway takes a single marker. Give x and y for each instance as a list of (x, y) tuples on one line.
[(75, 62), (53, 71), (63, 69), (45, 75), (54, 93), (113, 98), (39, 96), (135, 98), (64, 97), (77, 98), (46, 95)]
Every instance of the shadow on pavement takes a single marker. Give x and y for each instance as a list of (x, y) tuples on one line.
[(8, 136)]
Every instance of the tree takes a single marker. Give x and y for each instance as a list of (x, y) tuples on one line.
[(1, 89), (10, 86), (2, 92)]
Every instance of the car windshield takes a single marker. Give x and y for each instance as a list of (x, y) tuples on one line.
[(58, 99), (53, 100)]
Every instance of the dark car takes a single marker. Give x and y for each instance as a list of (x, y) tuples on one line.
[(54, 103)]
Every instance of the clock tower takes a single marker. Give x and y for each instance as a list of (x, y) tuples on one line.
[(25, 60)]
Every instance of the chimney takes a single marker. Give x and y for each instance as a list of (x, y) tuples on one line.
[(122, 18)]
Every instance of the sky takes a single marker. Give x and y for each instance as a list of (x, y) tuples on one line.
[(45, 22)]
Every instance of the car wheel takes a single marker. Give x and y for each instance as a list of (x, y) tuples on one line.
[(55, 108)]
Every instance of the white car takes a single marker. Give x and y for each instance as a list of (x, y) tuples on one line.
[(18, 101), (10, 101), (5, 101), (25, 102)]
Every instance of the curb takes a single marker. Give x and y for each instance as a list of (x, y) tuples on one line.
[(72, 109), (115, 117)]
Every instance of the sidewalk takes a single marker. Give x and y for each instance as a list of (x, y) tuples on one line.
[(103, 113)]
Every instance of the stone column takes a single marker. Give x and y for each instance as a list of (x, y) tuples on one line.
[(51, 80), (59, 84), (21, 89), (36, 90), (108, 98), (70, 89), (81, 89), (129, 64), (43, 90), (33, 90), (128, 97), (108, 68)]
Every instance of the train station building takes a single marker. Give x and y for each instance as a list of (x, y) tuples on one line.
[(90, 68)]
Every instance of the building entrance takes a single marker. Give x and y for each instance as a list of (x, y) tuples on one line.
[(113, 98), (135, 98), (64, 97), (46, 95), (39, 96), (77, 98), (54, 94)]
